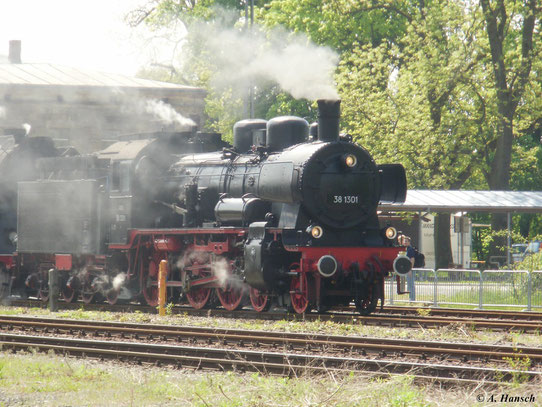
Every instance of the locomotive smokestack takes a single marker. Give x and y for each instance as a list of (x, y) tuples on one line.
[(329, 113)]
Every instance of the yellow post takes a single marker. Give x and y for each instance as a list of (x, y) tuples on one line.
[(162, 272)]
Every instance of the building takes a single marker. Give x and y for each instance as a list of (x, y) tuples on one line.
[(88, 109), (424, 203)]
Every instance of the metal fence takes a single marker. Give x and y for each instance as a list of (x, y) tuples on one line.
[(470, 288)]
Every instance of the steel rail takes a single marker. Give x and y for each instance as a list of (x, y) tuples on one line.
[(385, 319), (461, 312), (247, 360), (306, 341)]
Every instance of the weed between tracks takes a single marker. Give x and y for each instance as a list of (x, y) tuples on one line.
[(37, 379)]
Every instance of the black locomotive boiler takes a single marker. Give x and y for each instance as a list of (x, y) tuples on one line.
[(286, 214)]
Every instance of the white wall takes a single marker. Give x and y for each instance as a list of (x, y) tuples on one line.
[(427, 242)]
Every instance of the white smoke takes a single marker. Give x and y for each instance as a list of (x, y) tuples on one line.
[(2, 112), (101, 283), (298, 66), (130, 104), (192, 257), (221, 269), (119, 281), (303, 70), (27, 128), (167, 113)]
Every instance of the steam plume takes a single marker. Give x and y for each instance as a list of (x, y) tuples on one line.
[(119, 281), (27, 128), (130, 104), (167, 113), (299, 67), (220, 268)]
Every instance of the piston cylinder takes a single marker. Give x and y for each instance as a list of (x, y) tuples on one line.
[(241, 211)]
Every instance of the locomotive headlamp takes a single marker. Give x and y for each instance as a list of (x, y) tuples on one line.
[(391, 232), (350, 160), (402, 265), (317, 232), (327, 266)]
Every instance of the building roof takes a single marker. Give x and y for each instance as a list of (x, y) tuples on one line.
[(468, 201), (52, 74)]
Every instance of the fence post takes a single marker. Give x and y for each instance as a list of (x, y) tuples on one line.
[(435, 285), (529, 290), (412, 286), (392, 281), (53, 290), (481, 291)]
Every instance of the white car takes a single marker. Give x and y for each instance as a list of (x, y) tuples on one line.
[(518, 251)]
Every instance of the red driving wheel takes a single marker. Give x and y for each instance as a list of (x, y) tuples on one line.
[(69, 290), (112, 296), (260, 302), (43, 291), (149, 277), (88, 294), (299, 291), (197, 265), (231, 295)]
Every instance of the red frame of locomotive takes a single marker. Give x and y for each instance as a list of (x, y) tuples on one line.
[(160, 243)]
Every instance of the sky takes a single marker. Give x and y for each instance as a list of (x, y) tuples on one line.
[(89, 34), (92, 35)]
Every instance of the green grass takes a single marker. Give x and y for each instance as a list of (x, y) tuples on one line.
[(37, 379), (492, 296)]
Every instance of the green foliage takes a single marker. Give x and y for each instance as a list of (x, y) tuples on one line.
[(341, 24), (166, 12), (411, 102), (520, 367), (531, 262), (417, 81), (169, 308)]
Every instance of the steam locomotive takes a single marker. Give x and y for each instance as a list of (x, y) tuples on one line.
[(288, 214)]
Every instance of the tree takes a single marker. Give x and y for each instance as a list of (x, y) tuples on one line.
[(159, 13), (449, 89), (418, 102), (340, 24), (510, 28), (514, 45)]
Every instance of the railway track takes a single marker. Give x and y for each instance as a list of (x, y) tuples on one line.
[(469, 313), (405, 317), (272, 352), (255, 361)]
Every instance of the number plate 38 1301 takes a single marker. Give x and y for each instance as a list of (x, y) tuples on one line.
[(343, 199)]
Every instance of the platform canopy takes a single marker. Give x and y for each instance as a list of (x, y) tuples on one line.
[(418, 200)]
